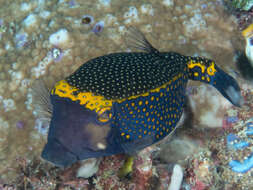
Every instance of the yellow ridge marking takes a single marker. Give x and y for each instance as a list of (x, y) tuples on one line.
[(211, 69), (92, 102), (193, 64), (97, 102)]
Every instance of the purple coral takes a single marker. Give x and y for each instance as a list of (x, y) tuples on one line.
[(98, 28), (232, 119), (21, 40), (20, 125), (72, 3), (204, 6)]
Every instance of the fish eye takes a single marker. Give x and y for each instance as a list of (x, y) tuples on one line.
[(104, 115)]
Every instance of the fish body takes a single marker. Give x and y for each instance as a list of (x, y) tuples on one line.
[(124, 102)]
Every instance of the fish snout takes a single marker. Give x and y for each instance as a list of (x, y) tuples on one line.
[(57, 154)]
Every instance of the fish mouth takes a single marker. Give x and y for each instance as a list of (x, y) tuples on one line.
[(228, 87), (234, 96), (55, 152)]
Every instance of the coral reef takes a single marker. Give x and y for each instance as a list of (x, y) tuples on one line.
[(240, 4), (228, 157), (243, 10)]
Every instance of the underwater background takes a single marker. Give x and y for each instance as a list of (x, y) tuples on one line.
[(212, 148)]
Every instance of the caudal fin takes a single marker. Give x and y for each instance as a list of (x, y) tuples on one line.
[(207, 71)]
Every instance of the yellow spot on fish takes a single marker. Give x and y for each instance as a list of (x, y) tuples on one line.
[(211, 70), (196, 74), (122, 134), (140, 103), (127, 136), (193, 64)]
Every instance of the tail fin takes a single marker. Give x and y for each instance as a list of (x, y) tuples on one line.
[(205, 70)]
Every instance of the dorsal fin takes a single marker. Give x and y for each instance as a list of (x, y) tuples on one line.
[(137, 40)]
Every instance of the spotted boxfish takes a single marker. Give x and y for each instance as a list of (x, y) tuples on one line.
[(124, 102)]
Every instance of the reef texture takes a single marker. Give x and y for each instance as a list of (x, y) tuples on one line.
[(243, 11), (50, 39)]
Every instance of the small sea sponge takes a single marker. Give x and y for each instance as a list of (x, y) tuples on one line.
[(61, 39), (87, 19)]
